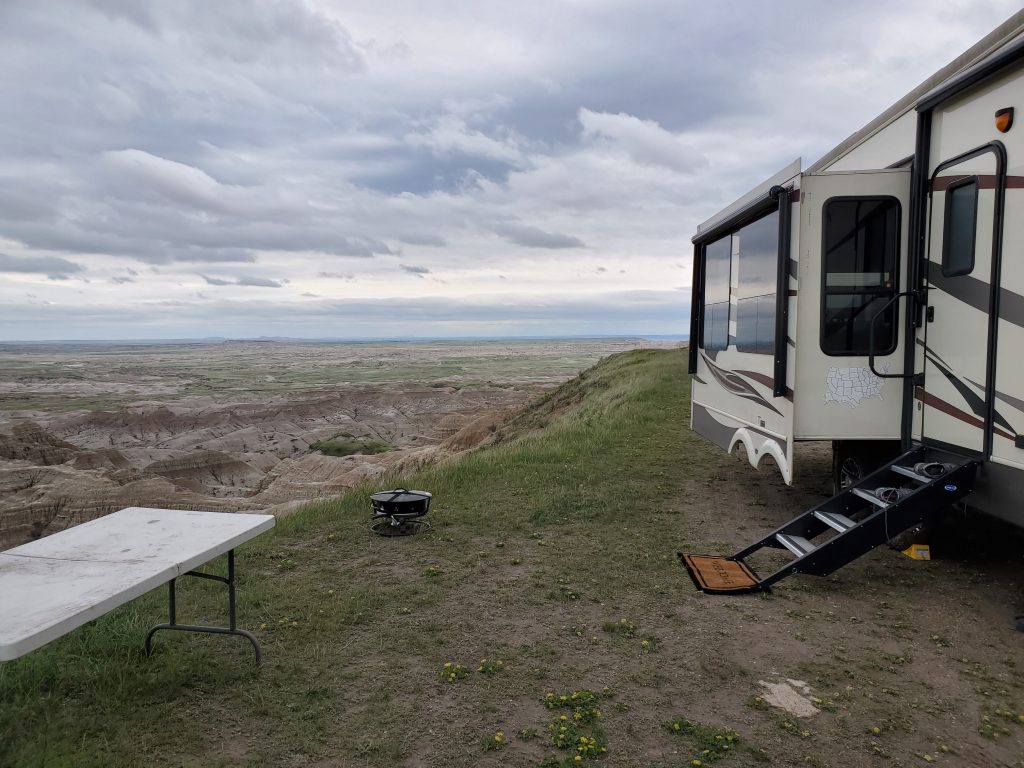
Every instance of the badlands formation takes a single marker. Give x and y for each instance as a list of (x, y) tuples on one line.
[(89, 429)]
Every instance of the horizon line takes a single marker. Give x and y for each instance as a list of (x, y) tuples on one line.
[(353, 339)]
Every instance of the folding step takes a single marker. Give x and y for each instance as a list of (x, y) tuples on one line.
[(850, 537), (870, 497), (909, 472), (798, 545), (834, 520)]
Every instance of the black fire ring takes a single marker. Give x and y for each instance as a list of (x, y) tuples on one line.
[(398, 512)]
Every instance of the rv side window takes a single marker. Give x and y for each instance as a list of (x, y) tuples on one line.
[(717, 259), (860, 254), (959, 229), (757, 276)]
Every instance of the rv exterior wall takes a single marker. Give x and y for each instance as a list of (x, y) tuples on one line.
[(963, 304), (733, 401), (968, 120), (890, 145)]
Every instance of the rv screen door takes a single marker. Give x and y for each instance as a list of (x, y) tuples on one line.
[(962, 274)]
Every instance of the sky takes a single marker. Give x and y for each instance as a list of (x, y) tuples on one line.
[(351, 169)]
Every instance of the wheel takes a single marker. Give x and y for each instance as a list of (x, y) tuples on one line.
[(848, 470), (919, 534), (853, 460)]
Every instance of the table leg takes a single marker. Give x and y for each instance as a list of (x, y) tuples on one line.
[(231, 629)]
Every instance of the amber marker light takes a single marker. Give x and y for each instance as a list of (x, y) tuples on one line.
[(1004, 119)]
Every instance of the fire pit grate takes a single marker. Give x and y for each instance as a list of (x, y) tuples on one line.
[(398, 512)]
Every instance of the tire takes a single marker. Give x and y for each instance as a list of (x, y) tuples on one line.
[(853, 460), (919, 534)]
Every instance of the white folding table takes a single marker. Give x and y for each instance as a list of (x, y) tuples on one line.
[(51, 586)]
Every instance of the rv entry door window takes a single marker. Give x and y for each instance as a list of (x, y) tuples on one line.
[(960, 227), (860, 256)]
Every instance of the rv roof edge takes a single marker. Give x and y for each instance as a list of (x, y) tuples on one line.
[(1009, 29), (757, 195), (981, 70)]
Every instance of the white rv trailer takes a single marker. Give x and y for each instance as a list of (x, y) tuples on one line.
[(876, 299)]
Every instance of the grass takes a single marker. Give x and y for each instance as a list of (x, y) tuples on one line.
[(355, 628), (347, 445)]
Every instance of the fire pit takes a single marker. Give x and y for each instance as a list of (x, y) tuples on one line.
[(398, 512)]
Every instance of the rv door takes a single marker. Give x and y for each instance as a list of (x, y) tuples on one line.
[(955, 403), (853, 256)]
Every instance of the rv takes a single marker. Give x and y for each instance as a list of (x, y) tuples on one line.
[(876, 300)]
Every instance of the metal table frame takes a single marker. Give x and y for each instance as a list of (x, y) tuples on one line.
[(231, 629)]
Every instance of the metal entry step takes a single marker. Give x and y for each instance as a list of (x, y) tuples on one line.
[(856, 520)]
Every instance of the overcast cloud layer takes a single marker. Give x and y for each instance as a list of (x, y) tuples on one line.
[(345, 169)]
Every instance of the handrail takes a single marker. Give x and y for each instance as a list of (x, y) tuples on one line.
[(871, 337)]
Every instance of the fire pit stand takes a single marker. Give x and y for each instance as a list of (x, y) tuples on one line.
[(398, 512)]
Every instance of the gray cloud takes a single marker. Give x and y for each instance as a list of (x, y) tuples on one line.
[(246, 280), (38, 265), (532, 237), (412, 269), (259, 282), (422, 238), (216, 280)]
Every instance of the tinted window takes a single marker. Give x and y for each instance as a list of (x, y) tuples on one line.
[(959, 229), (860, 257), (847, 324), (757, 272), (717, 261)]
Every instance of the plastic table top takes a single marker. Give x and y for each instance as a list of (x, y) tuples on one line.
[(53, 585)]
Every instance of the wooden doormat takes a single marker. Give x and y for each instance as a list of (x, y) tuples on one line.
[(719, 575)]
